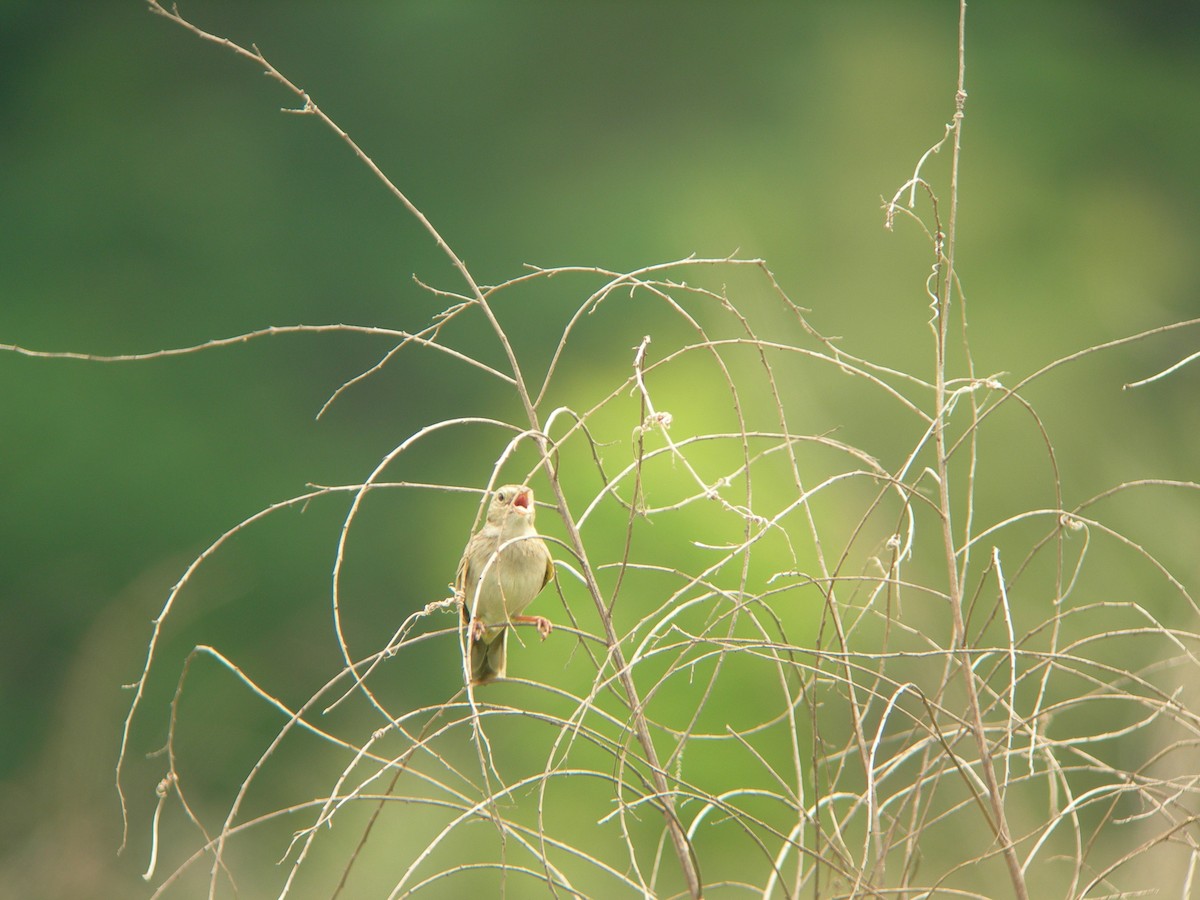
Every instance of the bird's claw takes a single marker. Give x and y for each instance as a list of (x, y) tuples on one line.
[(544, 626)]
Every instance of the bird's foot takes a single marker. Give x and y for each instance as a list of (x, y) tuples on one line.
[(543, 624)]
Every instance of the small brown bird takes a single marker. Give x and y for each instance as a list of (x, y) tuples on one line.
[(506, 564)]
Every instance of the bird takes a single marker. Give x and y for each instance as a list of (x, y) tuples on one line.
[(504, 566)]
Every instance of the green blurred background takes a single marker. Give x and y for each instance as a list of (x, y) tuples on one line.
[(153, 196)]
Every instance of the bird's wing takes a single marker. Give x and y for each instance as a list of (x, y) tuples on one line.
[(460, 581)]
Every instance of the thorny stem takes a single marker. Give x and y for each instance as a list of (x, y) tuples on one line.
[(641, 728), (945, 252)]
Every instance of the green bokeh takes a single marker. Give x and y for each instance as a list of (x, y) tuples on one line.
[(154, 197)]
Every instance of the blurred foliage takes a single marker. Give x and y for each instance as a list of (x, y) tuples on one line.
[(154, 197)]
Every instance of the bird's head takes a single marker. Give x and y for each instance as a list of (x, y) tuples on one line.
[(512, 502)]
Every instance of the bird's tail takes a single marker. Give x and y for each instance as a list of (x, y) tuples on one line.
[(489, 656)]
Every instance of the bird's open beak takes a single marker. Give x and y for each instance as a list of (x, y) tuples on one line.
[(521, 501)]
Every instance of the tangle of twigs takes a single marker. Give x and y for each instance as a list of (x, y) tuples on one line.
[(788, 668)]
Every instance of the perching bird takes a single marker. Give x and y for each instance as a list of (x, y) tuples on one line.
[(506, 564)]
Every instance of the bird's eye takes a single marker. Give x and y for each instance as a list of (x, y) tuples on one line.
[(501, 497)]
